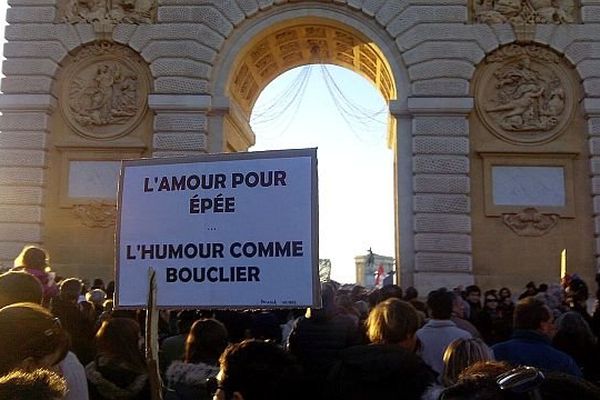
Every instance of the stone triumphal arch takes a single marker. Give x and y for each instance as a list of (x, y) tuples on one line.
[(494, 118)]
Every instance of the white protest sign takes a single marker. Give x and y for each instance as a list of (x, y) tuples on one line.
[(221, 230)]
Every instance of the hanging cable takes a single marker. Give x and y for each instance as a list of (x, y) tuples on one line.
[(278, 115), (354, 115), (362, 113), (280, 112)]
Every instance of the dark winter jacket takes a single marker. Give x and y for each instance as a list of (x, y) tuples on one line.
[(317, 342), (112, 380), (379, 371), (528, 347)]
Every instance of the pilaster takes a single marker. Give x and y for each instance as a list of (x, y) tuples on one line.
[(441, 191), (24, 127), (591, 107)]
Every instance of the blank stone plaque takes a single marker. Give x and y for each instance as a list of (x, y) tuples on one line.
[(528, 186), (93, 179)]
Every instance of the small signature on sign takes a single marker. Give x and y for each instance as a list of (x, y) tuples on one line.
[(273, 302)]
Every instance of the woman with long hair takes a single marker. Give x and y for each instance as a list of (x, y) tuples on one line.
[(30, 338), (461, 354), (186, 379), (119, 371)]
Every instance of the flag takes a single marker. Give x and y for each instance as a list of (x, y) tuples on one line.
[(379, 275)]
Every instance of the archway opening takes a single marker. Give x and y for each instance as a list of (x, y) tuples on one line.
[(356, 167)]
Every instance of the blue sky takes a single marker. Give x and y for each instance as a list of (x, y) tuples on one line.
[(355, 167)]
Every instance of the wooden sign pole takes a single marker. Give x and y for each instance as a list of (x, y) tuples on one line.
[(563, 264), (152, 338)]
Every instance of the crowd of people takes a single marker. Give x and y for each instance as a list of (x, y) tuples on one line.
[(61, 339)]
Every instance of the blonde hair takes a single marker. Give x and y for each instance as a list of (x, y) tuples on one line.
[(392, 321), (461, 354)]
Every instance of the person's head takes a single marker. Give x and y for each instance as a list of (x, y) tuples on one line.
[(577, 291), (439, 303), (98, 284), (328, 299), (490, 369), (39, 384), (18, 287), (96, 296), (490, 300), (473, 294), (205, 342), (32, 257), (185, 320), (118, 339), (461, 354), (391, 291), (358, 293), (30, 337), (480, 382), (257, 370), (345, 302), (266, 326), (573, 329), (504, 293), (530, 288), (411, 293), (70, 289), (533, 314), (393, 321)]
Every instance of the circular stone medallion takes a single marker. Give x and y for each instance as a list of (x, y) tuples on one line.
[(104, 97), (525, 99)]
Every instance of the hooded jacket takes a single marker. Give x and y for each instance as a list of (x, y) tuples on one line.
[(188, 381), (112, 380)]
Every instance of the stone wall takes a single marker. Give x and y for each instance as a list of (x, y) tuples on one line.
[(190, 48)]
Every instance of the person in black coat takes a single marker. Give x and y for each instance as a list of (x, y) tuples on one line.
[(119, 370), (318, 338)]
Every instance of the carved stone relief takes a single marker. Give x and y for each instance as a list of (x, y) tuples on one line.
[(112, 11), (523, 94), (96, 214), (521, 12), (104, 91), (530, 222)]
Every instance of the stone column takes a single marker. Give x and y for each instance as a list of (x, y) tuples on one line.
[(441, 187), (403, 193), (24, 127), (228, 126), (592, 109)]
